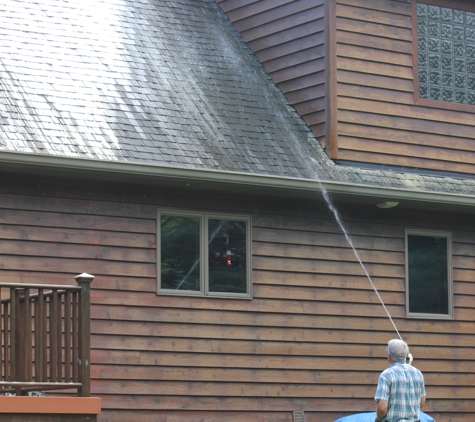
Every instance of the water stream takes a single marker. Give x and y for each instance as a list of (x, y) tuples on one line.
[(338, 219)]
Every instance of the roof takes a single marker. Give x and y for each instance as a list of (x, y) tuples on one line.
[(162, 83)]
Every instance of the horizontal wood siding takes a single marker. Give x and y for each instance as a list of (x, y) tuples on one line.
[(287, 36), (378, 119), (312, 338)]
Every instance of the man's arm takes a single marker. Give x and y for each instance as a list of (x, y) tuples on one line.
[(423, 401), (381, 409)]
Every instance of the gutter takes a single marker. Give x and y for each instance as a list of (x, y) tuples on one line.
[(116, 170)]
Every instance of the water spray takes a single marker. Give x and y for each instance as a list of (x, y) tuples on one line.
[(335, 212)]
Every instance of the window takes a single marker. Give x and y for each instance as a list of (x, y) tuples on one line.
[(202, 254), (446, 51), (428, 274)]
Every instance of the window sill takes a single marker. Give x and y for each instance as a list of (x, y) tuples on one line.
[(422, 102), (202, 295), (429, 316)]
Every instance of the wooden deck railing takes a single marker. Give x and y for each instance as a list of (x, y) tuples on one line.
[(45, 337)]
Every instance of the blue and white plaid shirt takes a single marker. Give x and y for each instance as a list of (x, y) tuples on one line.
[(402, 386)]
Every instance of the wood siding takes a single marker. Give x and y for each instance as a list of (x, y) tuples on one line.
[(378, 119), (312, 338), (372, 113), (287, 36)]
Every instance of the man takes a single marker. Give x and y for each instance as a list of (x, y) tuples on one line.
[(401, 391)]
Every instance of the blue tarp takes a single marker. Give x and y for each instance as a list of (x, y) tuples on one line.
[(370, 417)]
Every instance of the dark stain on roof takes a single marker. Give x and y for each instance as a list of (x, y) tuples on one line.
[(168, 83)]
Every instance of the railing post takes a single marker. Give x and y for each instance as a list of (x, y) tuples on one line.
[(27, 334), (14, 335), (84, 281)]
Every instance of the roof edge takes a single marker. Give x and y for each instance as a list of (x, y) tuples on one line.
[(122, 170)]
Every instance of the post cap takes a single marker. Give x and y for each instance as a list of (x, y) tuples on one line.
[(84, 277)]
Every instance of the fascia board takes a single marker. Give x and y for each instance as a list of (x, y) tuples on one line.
[(123, 171)]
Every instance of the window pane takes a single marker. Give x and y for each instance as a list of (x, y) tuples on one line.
[(227, 256), (180, 252), (428, 274)]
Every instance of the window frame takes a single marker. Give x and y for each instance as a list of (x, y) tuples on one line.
[(450, 298), (445, 105), (204, 251)]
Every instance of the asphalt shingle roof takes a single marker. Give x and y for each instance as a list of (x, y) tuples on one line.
[(169, 83)]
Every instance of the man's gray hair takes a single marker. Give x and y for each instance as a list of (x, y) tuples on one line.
[(397, 349)]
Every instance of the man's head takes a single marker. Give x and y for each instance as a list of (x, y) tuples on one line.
[(398, 350)]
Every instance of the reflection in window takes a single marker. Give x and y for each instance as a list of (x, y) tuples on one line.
[(227, 256), (180, 252), (201, 254), (428, 274)]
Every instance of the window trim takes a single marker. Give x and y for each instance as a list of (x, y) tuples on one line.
[(435, 233), (424, 102), (204, 270)]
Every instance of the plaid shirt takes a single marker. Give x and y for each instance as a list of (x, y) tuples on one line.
[(402, 386)]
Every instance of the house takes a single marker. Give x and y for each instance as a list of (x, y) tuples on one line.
[(178, 151)]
